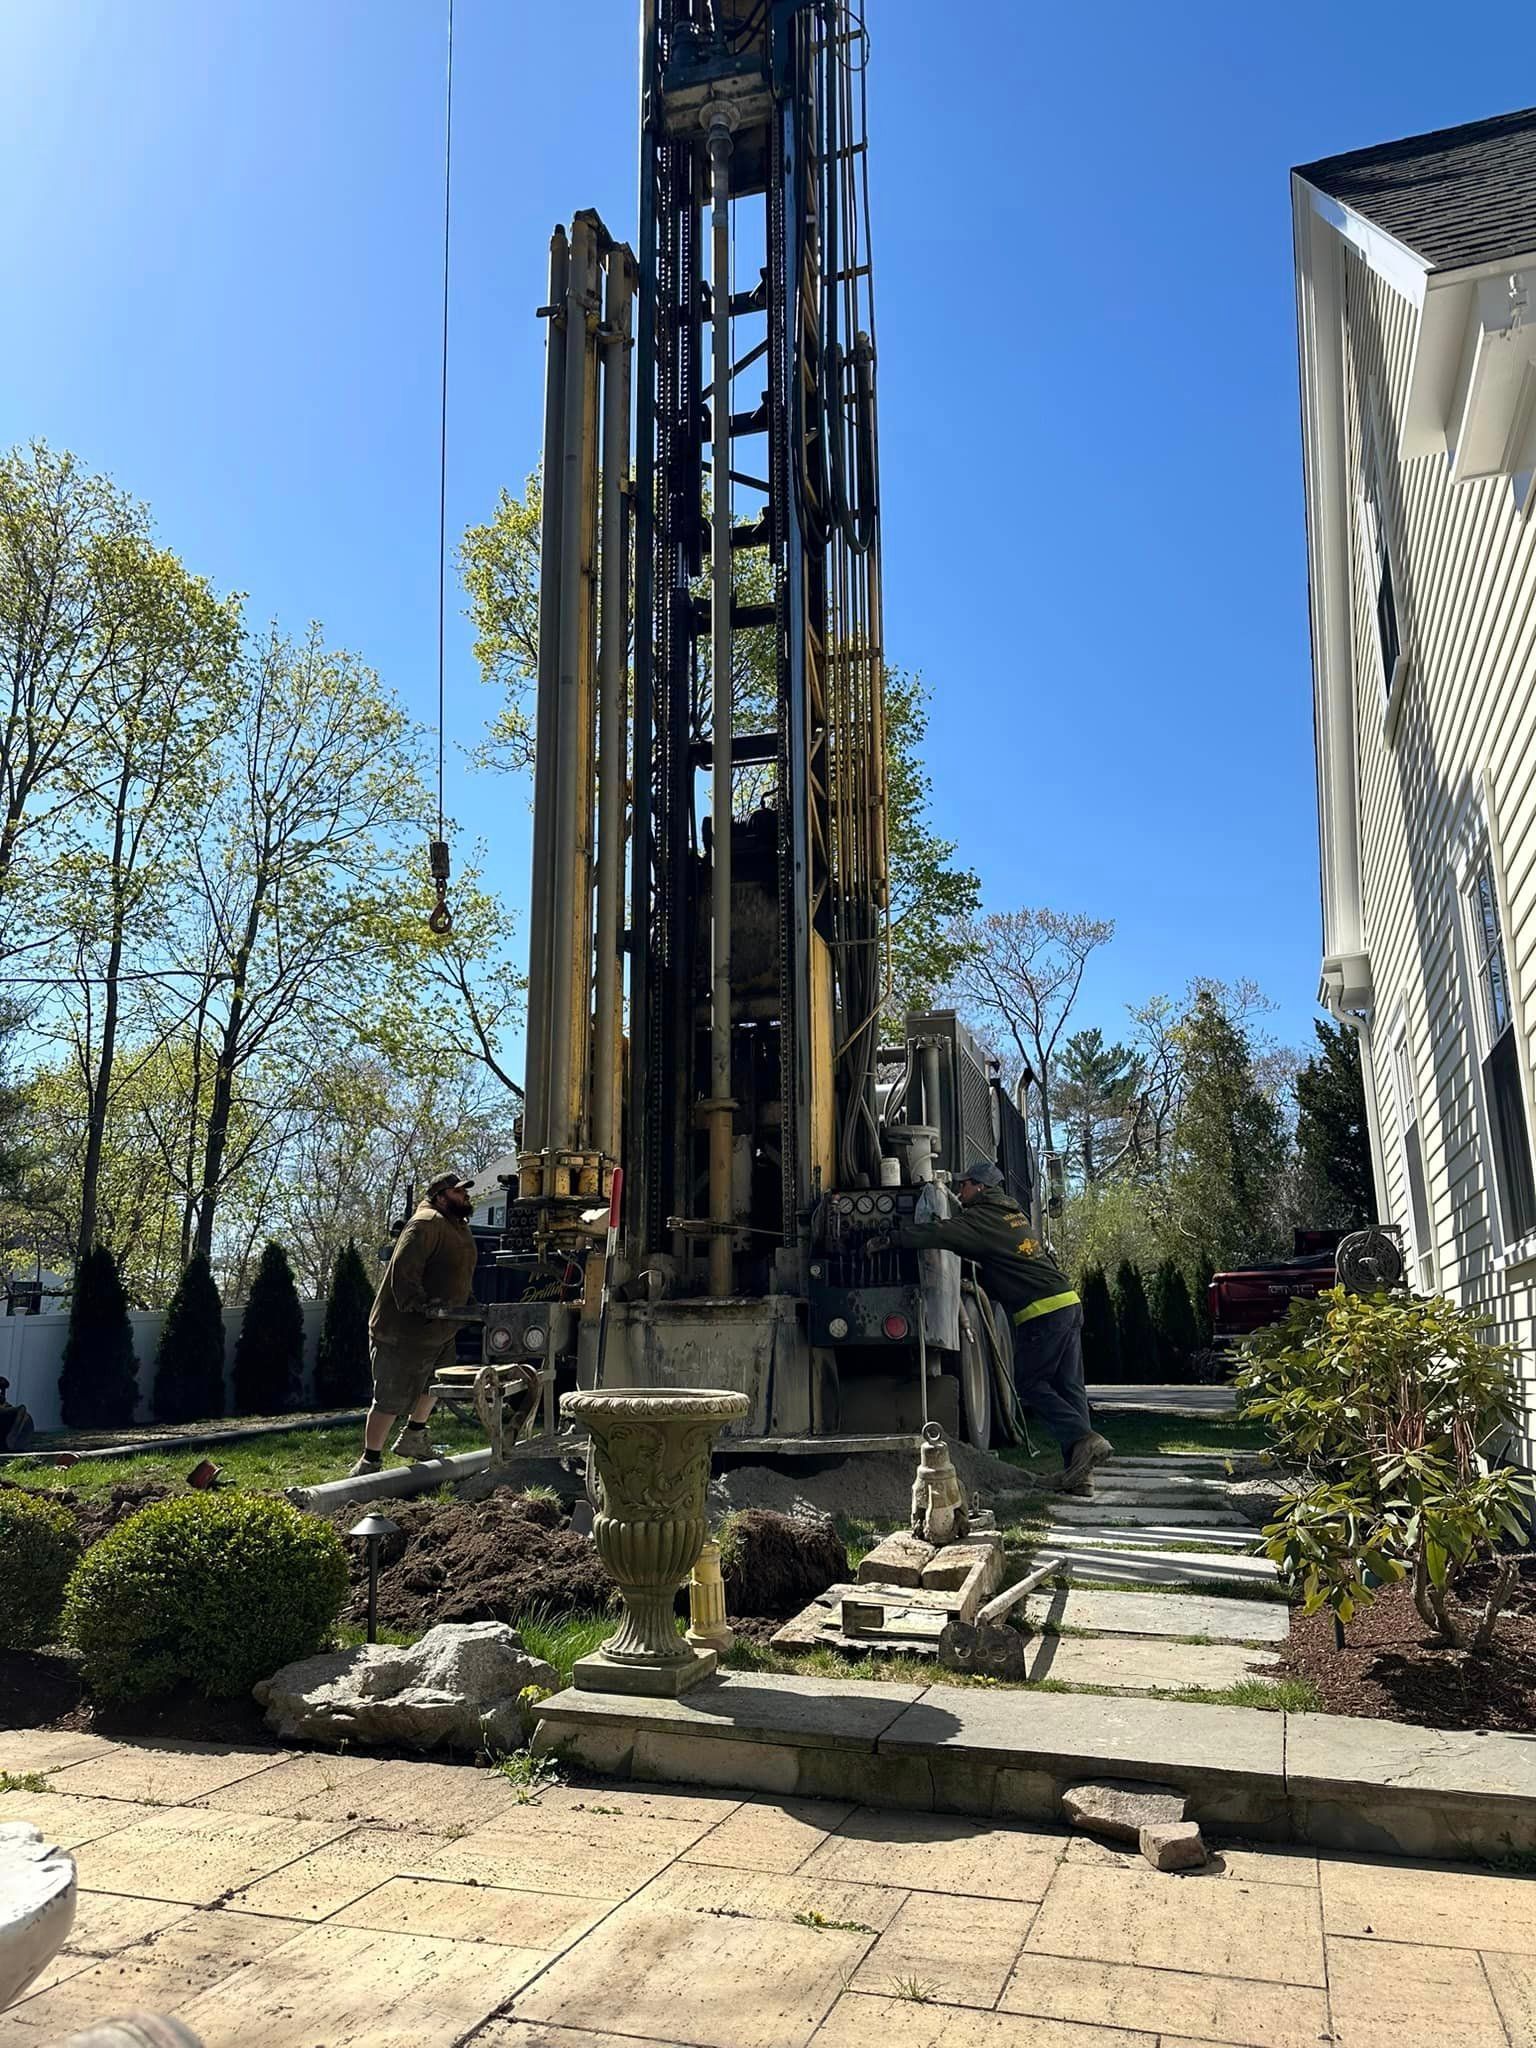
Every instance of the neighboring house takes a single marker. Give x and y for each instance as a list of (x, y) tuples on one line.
[(1416, 298), (490, 1197)]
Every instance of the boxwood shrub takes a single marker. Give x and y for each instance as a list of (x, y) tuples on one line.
[(39, 1548), (212, 1590)]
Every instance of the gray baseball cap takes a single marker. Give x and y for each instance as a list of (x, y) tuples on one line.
[(984, 1173)]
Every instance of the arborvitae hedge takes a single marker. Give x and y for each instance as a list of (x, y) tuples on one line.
[(189, 1367), (1133, 1320), (1173, 1320), (98, 1381), (343, 1375), (1101, 1338), (269, 1352)]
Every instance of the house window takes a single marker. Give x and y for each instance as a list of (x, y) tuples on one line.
[(1503, 1087), (1413, 1164), (1379, 565)]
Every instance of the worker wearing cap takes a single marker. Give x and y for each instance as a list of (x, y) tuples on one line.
[(431, 1273), (1019, 1272)]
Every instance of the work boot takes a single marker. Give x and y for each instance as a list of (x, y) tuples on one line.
[(413, 1442), (1087, 1452), (368, 1463)]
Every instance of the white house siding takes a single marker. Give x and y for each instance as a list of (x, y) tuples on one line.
[(1464, 560)]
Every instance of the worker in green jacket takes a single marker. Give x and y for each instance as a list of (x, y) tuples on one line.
[(1019, 1272), (412, 1331)]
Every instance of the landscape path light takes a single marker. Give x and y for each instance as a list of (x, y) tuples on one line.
[(373, 1529)]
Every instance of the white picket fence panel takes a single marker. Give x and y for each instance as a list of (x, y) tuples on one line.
[(32, 1351)]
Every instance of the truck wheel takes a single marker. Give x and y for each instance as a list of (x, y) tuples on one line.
[(975, 1380)]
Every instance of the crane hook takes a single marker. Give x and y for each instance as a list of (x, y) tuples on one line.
[(441, 919)]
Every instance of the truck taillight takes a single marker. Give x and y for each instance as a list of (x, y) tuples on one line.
[(895, 1326)]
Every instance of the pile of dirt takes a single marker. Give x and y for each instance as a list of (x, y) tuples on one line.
[(868, 1486), (1391, 1669), (489, 1560), (773, 1564)]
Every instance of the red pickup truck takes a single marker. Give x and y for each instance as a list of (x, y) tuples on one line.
[(1252, 1297)]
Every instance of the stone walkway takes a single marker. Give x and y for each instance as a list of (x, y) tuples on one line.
[(310, 1901), (1164, 1521)]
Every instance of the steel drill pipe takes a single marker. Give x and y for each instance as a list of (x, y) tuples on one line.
[(612, 676), (547, 719), (721, 122)]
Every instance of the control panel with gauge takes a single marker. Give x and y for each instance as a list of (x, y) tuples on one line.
[(860, 1295)]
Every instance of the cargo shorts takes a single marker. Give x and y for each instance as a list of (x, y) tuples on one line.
[(401, 1376)]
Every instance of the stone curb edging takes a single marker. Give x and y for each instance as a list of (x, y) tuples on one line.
[(1367, 1786)]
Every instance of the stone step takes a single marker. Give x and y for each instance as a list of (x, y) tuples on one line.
[(1144, 1664), (1161, 1614), (1155, 1535), (1157, 1567), (1098, 1509), (1192, 1463)]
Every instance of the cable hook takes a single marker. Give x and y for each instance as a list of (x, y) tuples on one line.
[(441, 919)]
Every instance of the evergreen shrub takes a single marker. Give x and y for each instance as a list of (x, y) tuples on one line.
[(214, 1590), (39, 1548)]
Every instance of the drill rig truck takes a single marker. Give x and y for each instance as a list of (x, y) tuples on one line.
[(710, 899)]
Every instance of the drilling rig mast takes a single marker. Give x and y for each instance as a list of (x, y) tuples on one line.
[(717, 1036)]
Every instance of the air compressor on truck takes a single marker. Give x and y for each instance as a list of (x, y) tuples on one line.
[(710, 891)]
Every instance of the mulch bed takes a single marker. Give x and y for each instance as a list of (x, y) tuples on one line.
[(1391, 1669)]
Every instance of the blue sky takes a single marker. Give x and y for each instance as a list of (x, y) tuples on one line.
[(220, 247)]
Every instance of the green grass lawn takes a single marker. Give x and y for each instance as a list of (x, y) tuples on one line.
[(263, 1464), (1142, 1433)]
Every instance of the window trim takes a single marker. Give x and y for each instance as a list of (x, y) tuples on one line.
[(1421, 1254), (1374, 520), (1475, 842)]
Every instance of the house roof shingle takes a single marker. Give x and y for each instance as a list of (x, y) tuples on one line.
[(1456, 197)]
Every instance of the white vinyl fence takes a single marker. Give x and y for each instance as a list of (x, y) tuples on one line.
[(32, 1350)]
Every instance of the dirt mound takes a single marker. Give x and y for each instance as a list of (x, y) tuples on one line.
[(773, 1564), (96, 1514), (870, 1486), (489, 1560)]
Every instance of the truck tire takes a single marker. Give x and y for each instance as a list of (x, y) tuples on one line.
[(975, 1379)]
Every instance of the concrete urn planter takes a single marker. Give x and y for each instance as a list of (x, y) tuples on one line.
[(651, 1448), (37, 1905)]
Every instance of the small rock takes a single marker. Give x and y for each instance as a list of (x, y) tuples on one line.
[(1173, 1845), (986, 1649), (457, 1688), (1119, 1808), (898, 1561)]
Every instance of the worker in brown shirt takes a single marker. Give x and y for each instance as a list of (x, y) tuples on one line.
[(411, 1333)]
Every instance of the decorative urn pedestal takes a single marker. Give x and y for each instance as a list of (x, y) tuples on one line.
[(651, 1447)]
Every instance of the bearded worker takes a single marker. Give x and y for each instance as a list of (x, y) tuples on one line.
[(1041, 1303), (412, 1330)]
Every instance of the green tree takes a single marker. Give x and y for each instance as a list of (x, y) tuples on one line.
[(60, 631), (303, 887), (99, 1376), (1101, 1334), (932, 900), (158, 704), (1096, 1090), (189, 1366), (1175, 1330), (1333, 1139), (343, 1375), (1133, 1325), (1228, 1183), (269, 1352)]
